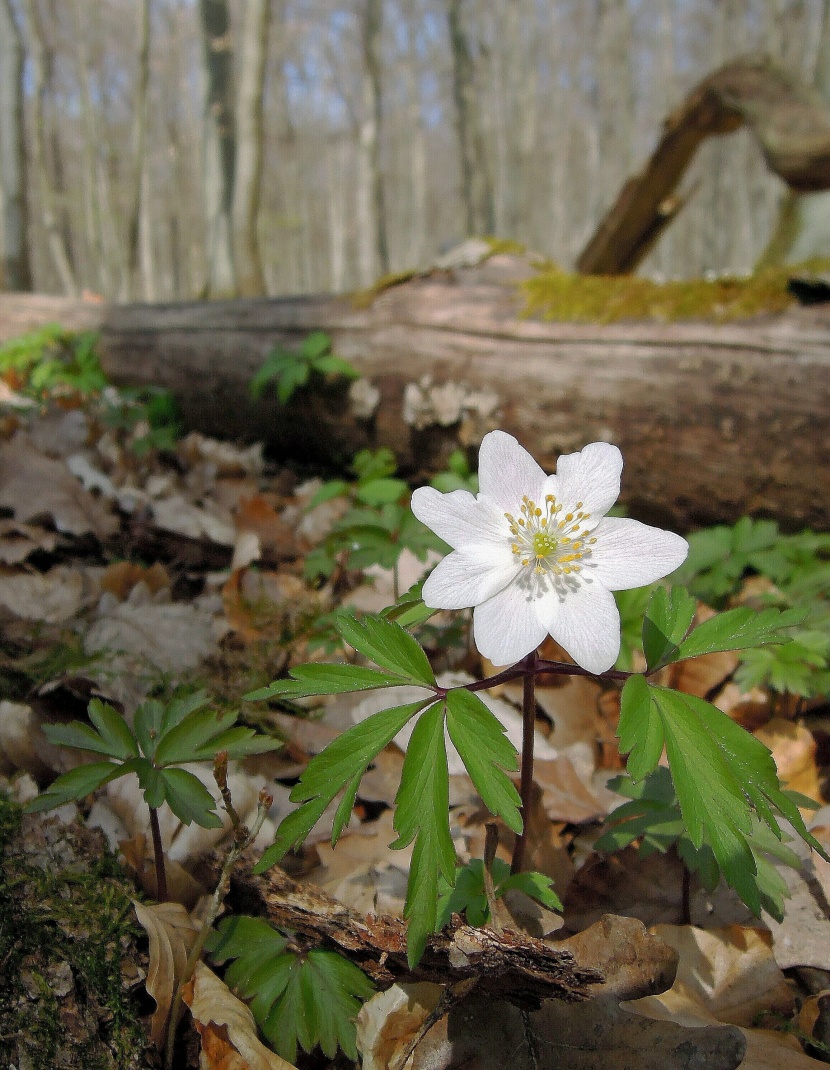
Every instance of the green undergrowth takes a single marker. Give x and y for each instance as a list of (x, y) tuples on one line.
[(65, 925)]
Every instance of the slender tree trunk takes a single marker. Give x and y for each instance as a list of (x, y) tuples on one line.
[(476, 188), (49, 217), (15, 268), (219, 145), (139, 178), (373, 249), (252, 51), (615, 96), (417, 222)]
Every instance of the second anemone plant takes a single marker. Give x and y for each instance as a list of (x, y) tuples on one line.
[(535, 554)]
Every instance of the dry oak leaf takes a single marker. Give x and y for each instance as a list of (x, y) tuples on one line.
[(728, 982), (486, 1034), (731, 970), (33, 485), (50, 597), (172, 935), (226, 1027)]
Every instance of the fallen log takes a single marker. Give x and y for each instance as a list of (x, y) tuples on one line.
[(714, 420)]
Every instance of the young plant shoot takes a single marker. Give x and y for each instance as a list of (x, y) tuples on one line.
[(536, 555)]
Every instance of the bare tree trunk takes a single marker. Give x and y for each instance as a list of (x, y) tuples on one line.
[(96, 197), (15, 268), (138, 200), (615, 94), (219, 145), (49, 217), (417, 222), (802, 230), (253, 48), (476, 188), (373, 249)]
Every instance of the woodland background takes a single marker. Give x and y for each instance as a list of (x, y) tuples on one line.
[(160, 150)]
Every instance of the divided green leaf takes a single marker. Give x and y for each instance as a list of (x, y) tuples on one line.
[(389, 646), (422, 815), (722, 776), (308, 680), (487, 753), (739, 629), (296, 999), (666, 623), (341, 764)]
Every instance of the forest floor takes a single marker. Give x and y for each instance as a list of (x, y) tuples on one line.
[(132, 567)]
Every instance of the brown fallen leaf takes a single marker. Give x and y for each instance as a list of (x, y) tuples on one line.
[(633, 961), (715, 981), (390, 1021), (120, 577), (51, 597), (172, 935), (226, 1027), (794, 748), (599, 1034), (731, 970), (17, 541), (33, 485)]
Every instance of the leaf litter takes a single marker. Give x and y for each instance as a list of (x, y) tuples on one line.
[(131, 572)]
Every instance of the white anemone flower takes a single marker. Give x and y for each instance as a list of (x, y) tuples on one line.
[(535, 554)]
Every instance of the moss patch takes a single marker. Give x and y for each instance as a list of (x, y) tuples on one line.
[(364, 298), (558, 295), (67, 938)]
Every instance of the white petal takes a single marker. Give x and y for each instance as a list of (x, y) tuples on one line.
[(506, 627), (460, 518), (630, 554), (466, 577), (592, 477), (587, 625), (506, 471)]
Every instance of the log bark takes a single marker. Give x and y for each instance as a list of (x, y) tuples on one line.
[(714, 420)]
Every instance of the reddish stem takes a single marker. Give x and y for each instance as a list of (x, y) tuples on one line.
[(529, 668), (158, 852)]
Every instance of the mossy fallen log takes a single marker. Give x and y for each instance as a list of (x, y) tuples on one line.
[(715, 419)]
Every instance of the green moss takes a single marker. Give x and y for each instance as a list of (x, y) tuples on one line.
[(505, 245), (364, 298), (558, 295), (64, 903)]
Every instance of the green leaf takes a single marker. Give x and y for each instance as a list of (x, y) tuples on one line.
[(238, 742), (189, 799), (536, 886), (422, 815), (333, 488), (388, 645), (738, 629), (75, 785), (294, 376), (80, 736), (147, 723), (381, 491), (185, 740), (332, 365), (113, 728), (667, 620), (342, 763), (640, 730), (481, 740), (315, 345), (306, 1000), (150, 781), (327, 680), (721, 774), (181, 707)]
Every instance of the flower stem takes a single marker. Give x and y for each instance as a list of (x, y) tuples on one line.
[(158, 854), (528, 738)]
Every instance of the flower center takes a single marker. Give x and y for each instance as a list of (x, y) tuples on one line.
[(548, 542)]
